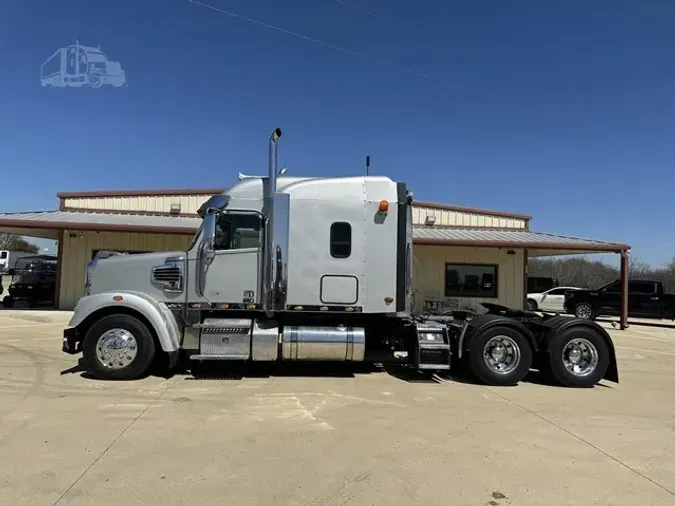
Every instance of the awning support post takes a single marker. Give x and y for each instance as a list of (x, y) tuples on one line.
[(623, 320)]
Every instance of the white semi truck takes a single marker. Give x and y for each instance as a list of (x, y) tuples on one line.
[(313, 269)]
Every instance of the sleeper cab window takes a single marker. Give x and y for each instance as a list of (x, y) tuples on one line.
[(470, 280), (340, 239)]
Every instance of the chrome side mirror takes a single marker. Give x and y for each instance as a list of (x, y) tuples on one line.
[(209, 235)]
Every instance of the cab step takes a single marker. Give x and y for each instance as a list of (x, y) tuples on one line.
[(432, 350)]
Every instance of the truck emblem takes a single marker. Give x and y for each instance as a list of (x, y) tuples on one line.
[(76, 66)]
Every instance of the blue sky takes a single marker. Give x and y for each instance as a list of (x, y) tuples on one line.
[(563, 110)]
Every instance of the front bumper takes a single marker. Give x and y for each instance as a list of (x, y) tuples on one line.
[(72, 342)]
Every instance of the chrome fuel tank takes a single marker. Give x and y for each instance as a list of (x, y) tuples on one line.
[(338, 344)]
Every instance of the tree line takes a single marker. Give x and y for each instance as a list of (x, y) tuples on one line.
[(584, 273), (13, 242)]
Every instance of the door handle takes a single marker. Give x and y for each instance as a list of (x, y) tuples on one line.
[(655, 298)]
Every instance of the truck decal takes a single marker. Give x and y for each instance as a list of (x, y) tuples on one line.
[(76, 66)]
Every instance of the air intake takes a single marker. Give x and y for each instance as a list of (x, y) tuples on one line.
[(169, 277)]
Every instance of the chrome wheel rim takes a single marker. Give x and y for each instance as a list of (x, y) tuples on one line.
[(116, 348), (501, 354), (580, 357), (584, 311)]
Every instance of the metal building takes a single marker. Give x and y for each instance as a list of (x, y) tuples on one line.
[(462, 256)]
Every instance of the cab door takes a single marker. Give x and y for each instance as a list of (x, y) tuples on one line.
[(232, 277)]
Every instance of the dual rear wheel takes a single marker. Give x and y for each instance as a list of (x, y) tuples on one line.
[(503, 356)]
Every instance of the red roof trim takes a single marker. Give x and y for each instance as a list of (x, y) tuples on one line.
[(141, 193)]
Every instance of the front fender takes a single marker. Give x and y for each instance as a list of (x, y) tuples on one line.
[(158, 315)]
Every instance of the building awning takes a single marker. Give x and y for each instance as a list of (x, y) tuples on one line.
[(47, 224), (537, 243)]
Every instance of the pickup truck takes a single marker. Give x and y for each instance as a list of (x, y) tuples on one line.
[(646, 299)]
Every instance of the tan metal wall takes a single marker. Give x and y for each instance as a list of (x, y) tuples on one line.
[(465, 219), (77, 252), (147, 203), (190, 203), (429, 275)]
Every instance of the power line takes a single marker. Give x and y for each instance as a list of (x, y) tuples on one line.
[(323, 43), (380, 17)]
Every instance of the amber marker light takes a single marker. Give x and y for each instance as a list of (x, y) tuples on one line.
[(384, 206)]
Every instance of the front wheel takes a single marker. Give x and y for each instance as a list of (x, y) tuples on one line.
[(8, 301), (584, 310), (500, 356), (532, 305), (118, 347), (578, 357)]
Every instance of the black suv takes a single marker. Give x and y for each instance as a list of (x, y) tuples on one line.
[(646, 299)]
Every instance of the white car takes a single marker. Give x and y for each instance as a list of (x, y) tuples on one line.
[(550, 300)]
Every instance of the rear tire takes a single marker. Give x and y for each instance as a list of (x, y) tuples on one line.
[(8, 301), (500, 356), (118, 347), (578, 357)]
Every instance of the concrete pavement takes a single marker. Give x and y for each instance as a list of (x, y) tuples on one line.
[(331, 437)]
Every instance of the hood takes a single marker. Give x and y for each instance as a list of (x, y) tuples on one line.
[(129, 273)]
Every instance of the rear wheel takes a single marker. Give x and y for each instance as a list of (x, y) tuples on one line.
[(584, 310), (8, 301), (500, 356), (118, 347), (578, 357)]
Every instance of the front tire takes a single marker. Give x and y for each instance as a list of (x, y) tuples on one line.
[(8, 301), (532, 305), (118, 347), (500, 356), (584, 310), (578, 357)]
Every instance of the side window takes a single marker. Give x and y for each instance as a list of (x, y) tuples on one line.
[(340, 239), (237, 231), (558, 291), (643, 288), (475, 280)]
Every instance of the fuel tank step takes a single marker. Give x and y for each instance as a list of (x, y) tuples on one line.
[(224, 339)]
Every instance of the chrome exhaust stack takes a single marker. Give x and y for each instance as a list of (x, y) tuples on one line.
[(270, 190)]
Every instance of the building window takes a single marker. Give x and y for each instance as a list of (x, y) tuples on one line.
[(470, 280), (340, 239), (237, 231)]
